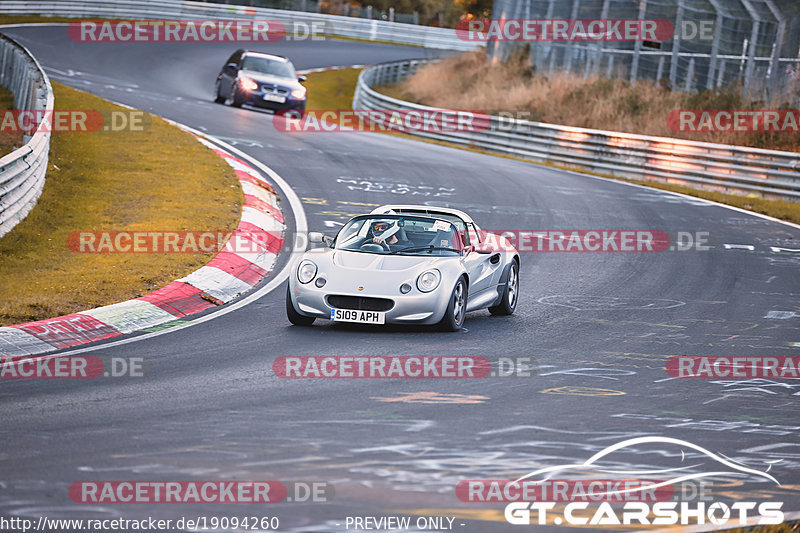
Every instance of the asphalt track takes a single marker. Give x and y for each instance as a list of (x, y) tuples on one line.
[(600, 327)]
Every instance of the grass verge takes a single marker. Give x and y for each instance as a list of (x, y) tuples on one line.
[(334, 90), (109, 180)]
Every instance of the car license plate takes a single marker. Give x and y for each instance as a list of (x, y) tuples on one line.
[(274, 98), (362, 317)]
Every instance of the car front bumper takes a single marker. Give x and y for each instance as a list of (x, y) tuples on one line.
[(413, 308)]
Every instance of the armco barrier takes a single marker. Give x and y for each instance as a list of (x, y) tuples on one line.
[(734, 169), (373, 30), (22, 171)]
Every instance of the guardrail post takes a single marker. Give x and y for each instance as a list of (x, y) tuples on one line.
[(676, 46)]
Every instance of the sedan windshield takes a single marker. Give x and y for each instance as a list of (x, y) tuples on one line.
[(399, 235), (265, 65)]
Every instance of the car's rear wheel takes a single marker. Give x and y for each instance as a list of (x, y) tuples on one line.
[(510, 293), (453, 318), (217, 98), (294, 317)]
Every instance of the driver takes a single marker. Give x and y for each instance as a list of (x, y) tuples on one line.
[(387, 231)]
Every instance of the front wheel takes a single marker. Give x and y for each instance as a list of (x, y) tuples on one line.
[(217, 98), (453, 317), (237, 99), (294, 317), (510, 294)]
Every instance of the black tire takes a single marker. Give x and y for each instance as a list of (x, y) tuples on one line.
[(217, 98), (508, 302), (294, 317), (453, 318), (237, 99)]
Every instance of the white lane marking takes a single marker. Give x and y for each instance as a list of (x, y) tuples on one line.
[(781, 315), (749, 247), (301, 225), (778, 249)]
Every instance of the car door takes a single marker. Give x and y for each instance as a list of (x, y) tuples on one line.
[(483, 270), (228, 74)]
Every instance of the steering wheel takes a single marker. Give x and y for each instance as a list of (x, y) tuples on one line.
[(371, 247)]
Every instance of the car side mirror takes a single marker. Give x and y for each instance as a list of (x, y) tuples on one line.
[(482, 249), (230, 68), (301, 78), (319, 238)]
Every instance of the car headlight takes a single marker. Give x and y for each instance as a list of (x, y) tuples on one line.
[(299, 93), (429, 280), (306, 271), (247, 84)]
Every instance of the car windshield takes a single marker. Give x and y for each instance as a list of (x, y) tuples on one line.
[(399, 235), (266, 65)]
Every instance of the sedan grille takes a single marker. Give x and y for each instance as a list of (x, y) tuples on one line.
[(360, 303), (268, 88)]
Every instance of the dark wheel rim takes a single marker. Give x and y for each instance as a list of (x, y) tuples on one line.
[(513, 287), (458, 303)]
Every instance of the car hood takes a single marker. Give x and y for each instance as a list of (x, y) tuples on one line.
[(379, 262), (260, 77)]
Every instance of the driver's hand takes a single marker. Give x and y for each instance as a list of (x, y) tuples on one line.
[(377, 240)]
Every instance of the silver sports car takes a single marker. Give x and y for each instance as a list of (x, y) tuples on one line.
[(404, 264)]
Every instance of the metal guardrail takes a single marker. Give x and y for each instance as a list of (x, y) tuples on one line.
[(22, 171), (725, 168), (372, 30)]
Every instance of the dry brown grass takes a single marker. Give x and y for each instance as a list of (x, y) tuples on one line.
[(468, 81)]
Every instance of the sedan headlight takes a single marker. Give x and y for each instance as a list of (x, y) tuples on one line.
[(306, 271), (299, 93), (429, 280), (248, 84)]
